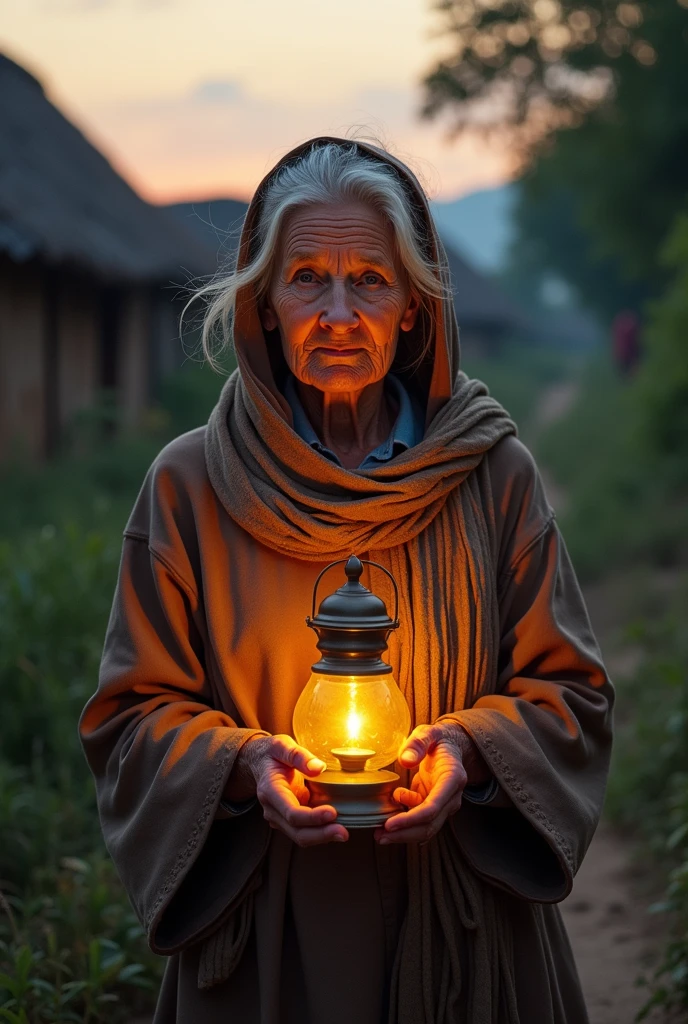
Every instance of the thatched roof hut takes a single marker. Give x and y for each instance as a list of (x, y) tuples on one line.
[(63, 202), (86, 269)]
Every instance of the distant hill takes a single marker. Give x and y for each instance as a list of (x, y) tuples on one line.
[(479, 225), (216, 221)]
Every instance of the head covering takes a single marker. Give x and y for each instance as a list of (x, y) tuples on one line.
[(426, 515), (252, 449)]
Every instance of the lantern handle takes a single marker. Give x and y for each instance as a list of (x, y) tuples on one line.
[(363, 561)]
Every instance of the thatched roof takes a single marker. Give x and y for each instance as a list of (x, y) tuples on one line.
[(478, 300), (61, 200)]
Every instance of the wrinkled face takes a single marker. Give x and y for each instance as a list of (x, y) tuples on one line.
[(339, 296)]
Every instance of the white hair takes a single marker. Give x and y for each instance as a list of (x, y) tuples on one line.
[(325, 174)]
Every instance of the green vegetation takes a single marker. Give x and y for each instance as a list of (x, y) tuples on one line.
[(622, 455), (622, 452), (70, 946), (596, 109), (94, 481), (648, 790)]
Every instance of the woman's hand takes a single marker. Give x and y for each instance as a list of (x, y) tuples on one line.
[(443, 752), (278, 765)]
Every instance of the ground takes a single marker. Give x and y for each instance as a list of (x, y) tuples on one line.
[(610, 931)]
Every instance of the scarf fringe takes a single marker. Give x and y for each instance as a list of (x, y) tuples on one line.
[(464, 968)]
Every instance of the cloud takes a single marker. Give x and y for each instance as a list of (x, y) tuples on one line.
[(217, 90)]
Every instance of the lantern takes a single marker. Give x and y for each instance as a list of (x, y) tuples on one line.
[(352, 714)]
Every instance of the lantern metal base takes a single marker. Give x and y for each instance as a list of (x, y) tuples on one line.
[(361, 799)]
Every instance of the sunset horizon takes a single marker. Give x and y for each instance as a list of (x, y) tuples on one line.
[(210, 124)]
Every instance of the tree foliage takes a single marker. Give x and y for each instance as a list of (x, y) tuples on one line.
[(593, 96), (551, 62)]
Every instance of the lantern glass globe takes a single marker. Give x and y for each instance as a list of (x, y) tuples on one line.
[(357, 713)]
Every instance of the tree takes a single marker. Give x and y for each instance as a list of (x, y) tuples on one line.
[(593, 97)]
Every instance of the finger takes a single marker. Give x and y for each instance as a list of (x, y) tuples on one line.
[(287, 751), (303, 795), (315, 836), (421, 740), (300, 817), (413, 835), (436, 805), (419, 786), (279, 800), (407, 797)]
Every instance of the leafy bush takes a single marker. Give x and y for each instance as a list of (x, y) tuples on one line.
[(648, 789), (70, 947), (74, 951)]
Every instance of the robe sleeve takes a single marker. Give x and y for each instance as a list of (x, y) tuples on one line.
[(546, 731), (161, 754)]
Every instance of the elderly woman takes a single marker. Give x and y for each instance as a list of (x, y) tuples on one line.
[(348, 426)]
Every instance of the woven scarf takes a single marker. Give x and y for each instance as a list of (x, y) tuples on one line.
[(426, 516)]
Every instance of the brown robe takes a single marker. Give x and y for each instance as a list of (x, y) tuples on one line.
[(207, 645)]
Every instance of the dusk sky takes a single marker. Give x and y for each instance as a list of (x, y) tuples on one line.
[(198, 98)]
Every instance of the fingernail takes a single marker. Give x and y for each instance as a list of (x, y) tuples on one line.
[(315, 765), (340, 839), (328, 815), (384, 841), (408, 757)]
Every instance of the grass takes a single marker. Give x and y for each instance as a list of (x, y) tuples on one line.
[(70, 946), (648, 788)]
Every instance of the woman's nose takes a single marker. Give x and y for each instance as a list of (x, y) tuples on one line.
[(339, 314)]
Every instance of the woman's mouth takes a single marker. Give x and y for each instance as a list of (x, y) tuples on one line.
[(342, 352)]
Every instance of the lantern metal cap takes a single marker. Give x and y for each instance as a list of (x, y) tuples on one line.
[(353, 624), (352, 606)]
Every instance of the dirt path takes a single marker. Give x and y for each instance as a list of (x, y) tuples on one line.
[(609, 930), (605, 915)]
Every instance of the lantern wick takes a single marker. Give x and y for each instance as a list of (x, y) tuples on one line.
[(352, 759)]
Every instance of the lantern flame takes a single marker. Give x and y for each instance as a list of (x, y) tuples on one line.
[(353, 725)]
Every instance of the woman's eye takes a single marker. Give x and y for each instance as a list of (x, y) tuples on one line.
[(371, 279), (306, 277)]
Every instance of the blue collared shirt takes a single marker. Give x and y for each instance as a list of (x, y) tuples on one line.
[(407, 430)]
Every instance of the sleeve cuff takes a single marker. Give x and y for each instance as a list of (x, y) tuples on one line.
[(227, 809), (482, 794)]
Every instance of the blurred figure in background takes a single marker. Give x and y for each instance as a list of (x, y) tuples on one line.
[(626, 342)]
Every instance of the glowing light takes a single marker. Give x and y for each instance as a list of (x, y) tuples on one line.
[(353, 725)]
